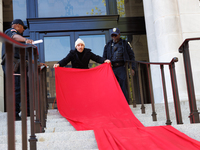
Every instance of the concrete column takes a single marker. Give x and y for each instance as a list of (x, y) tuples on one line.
[(164, 38), (152, 45), (1, 71), (190, 19)]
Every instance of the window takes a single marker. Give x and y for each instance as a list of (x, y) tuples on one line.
[(56, 48), (19, 9), (14, 9), (94, 42), (63, 8)]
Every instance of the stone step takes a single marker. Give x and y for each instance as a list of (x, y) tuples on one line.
[(59, 134), (160, 111), (59, 129), (54, 116), (57, 145), (192, 130), (159, 108), (71, 145), (147, 119), (18, 146), (57, 123), (18, 130), (55, 136)]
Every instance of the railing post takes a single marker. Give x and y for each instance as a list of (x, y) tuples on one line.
[(175, 91), (36, 93), (141, 91), (127, 79), (32, 139), (41, 99), (23, 90), (133, 90), (10, 98), (194, 114), (44, 90), (151, 95), (168, 122)]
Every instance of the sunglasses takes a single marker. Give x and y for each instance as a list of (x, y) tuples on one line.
[(113, 35)]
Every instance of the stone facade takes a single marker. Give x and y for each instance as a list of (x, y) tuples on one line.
[(168, 24)]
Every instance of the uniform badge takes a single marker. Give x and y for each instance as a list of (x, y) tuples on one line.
[(114, 29), (13, 30)]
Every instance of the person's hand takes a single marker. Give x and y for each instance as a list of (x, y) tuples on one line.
[(56, 65), (29, 41), (43, 64), (132, 72), (107, 61)]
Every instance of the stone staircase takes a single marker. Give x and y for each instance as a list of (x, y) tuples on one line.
[(192, 130), (60, 135)]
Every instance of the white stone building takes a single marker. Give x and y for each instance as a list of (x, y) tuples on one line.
[(168, 24)]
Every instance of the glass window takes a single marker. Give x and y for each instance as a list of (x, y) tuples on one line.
[(63, 8), (19, 9), (94, 42), (56, 48), (121, 8)]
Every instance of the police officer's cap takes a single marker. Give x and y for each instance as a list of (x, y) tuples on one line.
[(19, 21), (115, 31)]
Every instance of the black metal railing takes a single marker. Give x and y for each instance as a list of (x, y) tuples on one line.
[(37, 92), (184, 48), (140, 86)]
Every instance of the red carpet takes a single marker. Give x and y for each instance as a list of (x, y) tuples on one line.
[(91, 99)]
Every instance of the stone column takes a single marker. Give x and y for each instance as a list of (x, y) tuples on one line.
[(190, 24), (1, 71), (164, 38)]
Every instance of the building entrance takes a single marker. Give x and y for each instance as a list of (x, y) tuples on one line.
[(56, 46)]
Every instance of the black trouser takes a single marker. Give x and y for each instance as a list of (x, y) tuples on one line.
[(17, 91), (120, 73)]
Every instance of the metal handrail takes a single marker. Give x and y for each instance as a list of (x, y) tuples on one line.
[(140, 86), (184, 48), (35, 98)]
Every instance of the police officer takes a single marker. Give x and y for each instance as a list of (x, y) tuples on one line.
[(16, 32), (118, 51)]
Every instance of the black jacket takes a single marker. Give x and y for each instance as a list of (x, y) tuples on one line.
[(128, 53), (11, 32), (83, 63)]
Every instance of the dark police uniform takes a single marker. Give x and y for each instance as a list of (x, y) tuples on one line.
[(80, 60), (11, 32), (118, 53)]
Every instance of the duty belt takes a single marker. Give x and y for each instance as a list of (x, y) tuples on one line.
[(117, 64)]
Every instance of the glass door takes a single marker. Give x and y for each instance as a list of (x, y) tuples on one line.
[(54, 48)]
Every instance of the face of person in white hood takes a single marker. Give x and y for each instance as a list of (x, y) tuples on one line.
[(80, 47)]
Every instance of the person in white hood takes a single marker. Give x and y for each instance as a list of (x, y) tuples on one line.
[(80, 57)]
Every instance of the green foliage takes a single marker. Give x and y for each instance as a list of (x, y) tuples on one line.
[(93, 65), (120, 9), (95, 11), (123, 37)]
